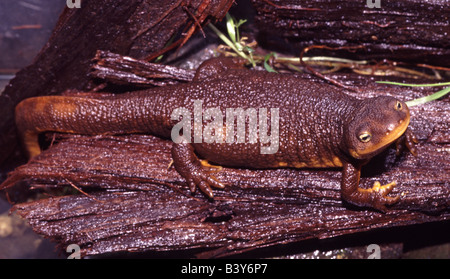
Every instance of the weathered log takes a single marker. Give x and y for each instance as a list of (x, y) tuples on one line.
[(414, 31), (137, 28), (132, 201)]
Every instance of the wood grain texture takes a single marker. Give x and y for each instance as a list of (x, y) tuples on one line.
[(413, 31)]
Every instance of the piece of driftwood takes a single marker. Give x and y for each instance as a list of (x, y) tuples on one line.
[(414, 31), (117, 69), (137, 28), (132, 201)]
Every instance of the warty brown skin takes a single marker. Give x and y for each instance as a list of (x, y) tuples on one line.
[(319, 126)]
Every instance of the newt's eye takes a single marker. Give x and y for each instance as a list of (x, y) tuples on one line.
[(398, 106), (365, 137)]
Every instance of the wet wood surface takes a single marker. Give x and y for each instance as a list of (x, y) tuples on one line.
[(413, 31)]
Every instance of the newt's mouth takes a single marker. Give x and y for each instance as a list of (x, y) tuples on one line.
[(389, 138)]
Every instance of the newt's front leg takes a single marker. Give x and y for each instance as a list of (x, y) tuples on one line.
[(409, 140), (375, 197), (191, 168)]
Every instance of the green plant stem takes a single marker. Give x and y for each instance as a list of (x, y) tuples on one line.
[(429, 98), (229, 43), (426, 99), (415, 85)]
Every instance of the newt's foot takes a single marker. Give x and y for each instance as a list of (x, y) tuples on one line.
[(196, 172), (378, 195), (409, 140), (375, 197), (201, 178)]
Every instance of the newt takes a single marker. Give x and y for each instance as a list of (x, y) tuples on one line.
[(320, 126)]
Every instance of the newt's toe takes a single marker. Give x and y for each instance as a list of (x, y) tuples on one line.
[(380, 196), (206, 164), (205, 181)]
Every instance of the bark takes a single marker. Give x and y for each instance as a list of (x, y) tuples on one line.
[(120, 70), (413, 31)]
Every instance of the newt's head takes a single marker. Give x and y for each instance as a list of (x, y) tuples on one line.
[(375, 124)]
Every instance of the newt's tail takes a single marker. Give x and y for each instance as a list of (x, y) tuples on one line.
[(55, 114), (26, 123), (109, 115)]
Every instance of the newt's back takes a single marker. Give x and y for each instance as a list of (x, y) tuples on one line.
[(306, 110)]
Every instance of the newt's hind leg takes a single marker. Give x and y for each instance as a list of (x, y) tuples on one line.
[(215, 67), (190, 168)]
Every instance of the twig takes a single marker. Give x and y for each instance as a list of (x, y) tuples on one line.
[(81, 191), (321, 75), (294, 7)]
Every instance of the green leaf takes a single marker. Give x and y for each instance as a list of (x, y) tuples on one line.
[(266, 64), (241, 21), (231, 28)]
